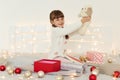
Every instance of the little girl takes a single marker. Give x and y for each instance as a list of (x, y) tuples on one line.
[(59, 32)]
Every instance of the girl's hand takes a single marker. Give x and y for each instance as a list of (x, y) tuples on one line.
[(86, 19)]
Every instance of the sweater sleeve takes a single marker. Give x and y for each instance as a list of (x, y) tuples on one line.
[(67, 29)]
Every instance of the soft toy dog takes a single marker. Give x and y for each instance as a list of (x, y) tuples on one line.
[(86, 11)]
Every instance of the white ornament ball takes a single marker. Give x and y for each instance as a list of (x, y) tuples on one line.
[(9, 68), (10, 71), (27, 74), (41, 74), (95, 71), (109, 60), (59, 77)]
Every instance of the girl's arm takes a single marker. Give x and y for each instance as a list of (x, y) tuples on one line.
[(71, 28), (67, 29)]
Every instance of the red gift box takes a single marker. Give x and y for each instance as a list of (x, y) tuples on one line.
[(47, 65)]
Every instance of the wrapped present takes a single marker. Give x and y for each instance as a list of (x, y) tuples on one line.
[(79, 67), (72, 63), (65, 73), (47, 65), (94, 57)]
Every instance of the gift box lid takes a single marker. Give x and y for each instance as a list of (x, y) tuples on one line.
[(50, 60), (47, 65)]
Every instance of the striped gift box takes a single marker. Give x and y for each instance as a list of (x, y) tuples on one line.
[(95, 57)]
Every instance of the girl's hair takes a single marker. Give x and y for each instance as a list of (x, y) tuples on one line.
[(56, 14)]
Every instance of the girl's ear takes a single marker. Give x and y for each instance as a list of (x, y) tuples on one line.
[(51, 22)]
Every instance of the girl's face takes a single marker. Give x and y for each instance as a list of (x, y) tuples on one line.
[(59, 22)]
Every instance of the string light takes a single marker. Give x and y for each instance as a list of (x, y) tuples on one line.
[(95, 43), (18, 45), (3, 77), (114, 78), (93, 37), (79, 46)]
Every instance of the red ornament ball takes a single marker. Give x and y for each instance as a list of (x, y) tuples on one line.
[(18, 70), (2, 68), (92, 77), (116, 74), (92, 68)]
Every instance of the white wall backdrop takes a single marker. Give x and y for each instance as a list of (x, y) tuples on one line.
[(36, 12)]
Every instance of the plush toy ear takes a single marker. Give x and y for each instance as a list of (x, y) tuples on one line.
[(89, 11)]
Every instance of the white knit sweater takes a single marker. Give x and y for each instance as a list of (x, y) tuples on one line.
[(58, 39)]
